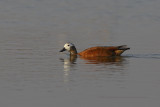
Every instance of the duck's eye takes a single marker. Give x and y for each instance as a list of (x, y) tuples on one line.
[(68, 45)]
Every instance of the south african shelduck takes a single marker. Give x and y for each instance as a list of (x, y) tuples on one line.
[(96, 51)]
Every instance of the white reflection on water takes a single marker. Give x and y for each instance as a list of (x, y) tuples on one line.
[(69, 62)]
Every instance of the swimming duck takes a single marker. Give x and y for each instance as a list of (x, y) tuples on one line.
[(96, 51)]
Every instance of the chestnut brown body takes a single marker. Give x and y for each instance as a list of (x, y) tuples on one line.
[(102, 51)]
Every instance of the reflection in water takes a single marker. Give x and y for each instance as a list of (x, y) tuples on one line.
[(112, 66), (68, 64), (107, 63), (105, 60)]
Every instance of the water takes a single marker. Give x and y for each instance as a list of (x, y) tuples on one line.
[(34, 74)]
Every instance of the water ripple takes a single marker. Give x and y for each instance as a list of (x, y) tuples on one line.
[(150, 56)]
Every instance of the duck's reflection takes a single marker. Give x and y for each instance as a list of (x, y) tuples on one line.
[(110, 64), (69, 62), (103, 60)]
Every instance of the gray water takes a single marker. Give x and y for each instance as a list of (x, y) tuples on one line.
[(34, 74)]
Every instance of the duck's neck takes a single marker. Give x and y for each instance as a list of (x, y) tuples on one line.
[(73, 50)]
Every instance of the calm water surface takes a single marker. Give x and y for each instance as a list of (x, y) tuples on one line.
[(34, 74)]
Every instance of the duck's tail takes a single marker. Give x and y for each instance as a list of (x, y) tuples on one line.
[(123, 47)]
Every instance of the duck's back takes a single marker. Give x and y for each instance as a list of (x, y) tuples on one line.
[(104, 51), (98, 51)]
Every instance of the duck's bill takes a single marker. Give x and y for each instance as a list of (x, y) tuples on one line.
[(62, 50)]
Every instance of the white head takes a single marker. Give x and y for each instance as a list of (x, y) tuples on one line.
[(67, 47)]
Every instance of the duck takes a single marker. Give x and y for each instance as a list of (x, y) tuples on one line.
[(97, 51)]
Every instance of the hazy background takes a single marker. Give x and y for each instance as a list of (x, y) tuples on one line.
[(34, 74)]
